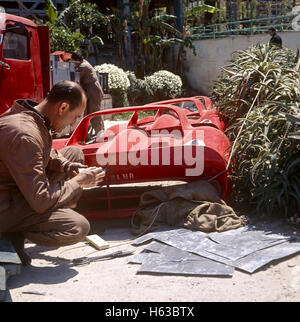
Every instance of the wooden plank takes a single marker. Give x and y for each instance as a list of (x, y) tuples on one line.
[(97, 242)]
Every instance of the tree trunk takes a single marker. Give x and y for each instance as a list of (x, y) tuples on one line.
[(179, 60)]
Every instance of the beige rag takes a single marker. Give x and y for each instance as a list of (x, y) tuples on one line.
[(194, 205)]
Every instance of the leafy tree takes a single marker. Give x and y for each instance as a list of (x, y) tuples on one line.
[(80, 20), (61, 36), (64, 39), (152, 35), (84, 16)]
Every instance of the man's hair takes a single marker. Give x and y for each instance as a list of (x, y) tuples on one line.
[(272, 29), (77, 56), (66, 91)]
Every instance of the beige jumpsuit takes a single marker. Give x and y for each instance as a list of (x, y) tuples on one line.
[(33, 200), (89, 82)]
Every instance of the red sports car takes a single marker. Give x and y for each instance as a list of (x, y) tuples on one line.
[(157, 142)]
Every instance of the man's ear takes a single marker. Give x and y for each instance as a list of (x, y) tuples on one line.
[(63, 107)]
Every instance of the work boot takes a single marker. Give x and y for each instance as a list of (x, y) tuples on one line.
[(18, 241)]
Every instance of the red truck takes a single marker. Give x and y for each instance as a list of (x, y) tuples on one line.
[(24, 60), (27, 69)]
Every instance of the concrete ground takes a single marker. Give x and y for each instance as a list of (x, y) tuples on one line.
[(116, 281)]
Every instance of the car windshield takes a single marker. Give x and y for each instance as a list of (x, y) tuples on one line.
[(191, 106)]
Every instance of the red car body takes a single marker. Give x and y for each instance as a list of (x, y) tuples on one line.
[(199, 109), (175, 135)]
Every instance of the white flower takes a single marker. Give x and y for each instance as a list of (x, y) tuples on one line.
[(164, 80), (117, 78)]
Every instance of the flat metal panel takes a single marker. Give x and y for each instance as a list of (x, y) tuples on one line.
[(164, 259), (247, 248), (7, 253), (256, 260)]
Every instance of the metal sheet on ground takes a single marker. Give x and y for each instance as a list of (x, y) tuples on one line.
[(7, 253), (184, 239), (246, 248), (2, 278), (163, 234), (243, 247), (169, 260), (143, 257), (10, 264), (256, 260), (240, 243)]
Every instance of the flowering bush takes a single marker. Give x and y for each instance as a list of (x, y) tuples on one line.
[(125, 85), (164, 84), (138, 92), (118, 83), (117, 78)]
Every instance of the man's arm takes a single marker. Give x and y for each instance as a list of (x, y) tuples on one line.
[(24, 159), (57, 161)]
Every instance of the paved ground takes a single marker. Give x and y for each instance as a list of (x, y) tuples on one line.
[(117, 281)]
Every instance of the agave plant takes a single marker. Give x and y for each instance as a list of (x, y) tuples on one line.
[(258, 95)]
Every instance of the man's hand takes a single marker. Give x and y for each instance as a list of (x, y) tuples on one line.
[(90, 177), (71, 169)]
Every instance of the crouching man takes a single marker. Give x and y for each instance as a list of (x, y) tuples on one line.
[(39, 185)]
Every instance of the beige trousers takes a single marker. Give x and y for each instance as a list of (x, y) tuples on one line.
[(59, 227)]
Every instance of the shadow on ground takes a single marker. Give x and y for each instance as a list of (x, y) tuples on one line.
[(42, 275), (59, 271)]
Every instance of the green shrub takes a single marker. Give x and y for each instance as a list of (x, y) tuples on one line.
[(255, 91)]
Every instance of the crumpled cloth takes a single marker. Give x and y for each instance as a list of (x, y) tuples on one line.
[(194, 205)]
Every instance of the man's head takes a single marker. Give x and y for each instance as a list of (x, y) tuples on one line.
[(64, 104), (272, 31), (77, 58)]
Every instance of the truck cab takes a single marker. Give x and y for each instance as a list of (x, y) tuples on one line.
[(24, 60)]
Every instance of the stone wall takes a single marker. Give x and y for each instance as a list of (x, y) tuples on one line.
[(202, 70)]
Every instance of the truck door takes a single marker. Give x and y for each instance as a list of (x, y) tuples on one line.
[(17, 78)]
